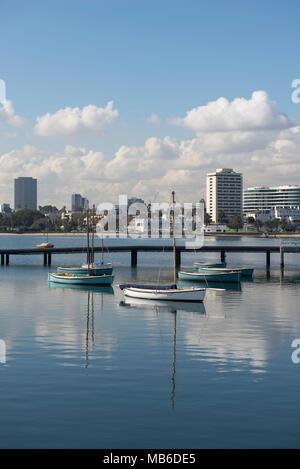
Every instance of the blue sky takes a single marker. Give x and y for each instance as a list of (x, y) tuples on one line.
[(165, 57)]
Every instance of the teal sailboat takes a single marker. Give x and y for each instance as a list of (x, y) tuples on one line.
[(86, 275)]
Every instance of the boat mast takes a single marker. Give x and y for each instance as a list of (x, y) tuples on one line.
[(88, 240), (93, 236), (173, 363), (173, 228), (102, 246)]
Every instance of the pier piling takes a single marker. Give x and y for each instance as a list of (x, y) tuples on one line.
[(177, 257), (45, 258), (223, 255), (268, 259), (49, 258), (7, 259), (281, 257), (2, 259), (133, 258)]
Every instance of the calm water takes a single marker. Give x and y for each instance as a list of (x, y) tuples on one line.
[(83, 369)]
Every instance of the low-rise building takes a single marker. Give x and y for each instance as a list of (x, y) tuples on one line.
[(291, 214), (214, 228)]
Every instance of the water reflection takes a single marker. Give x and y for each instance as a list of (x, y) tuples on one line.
[(172, 396), (172, 307), (72, 325), (90, 311), (233, 286), (89, 288)]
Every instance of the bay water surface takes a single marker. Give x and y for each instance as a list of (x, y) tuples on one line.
[(82, 368)]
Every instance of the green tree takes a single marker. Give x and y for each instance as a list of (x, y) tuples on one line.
[(207, 218), (258, 224), (39, 224), (221, 216), (286, 226), (235, 223), (272, 225), (25, 218), (48, 209)]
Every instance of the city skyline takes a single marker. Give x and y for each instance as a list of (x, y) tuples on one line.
[(224, 193), (176, 114)]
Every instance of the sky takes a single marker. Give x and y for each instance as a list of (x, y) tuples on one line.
[(141, 97)]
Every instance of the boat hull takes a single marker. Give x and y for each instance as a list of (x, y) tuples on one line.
[(245, 271), (210, 277), (107, 289), (45, 246), (80, 279), (186, 294), (99, 270)]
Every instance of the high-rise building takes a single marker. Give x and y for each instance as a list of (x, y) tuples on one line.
[(79, 203), (224, 194), (265, 198), (25, 193)]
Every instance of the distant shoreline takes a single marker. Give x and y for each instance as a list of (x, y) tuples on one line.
[(214, 235), (42, 234)]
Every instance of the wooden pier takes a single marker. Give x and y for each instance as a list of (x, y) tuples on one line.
[(135, 249)]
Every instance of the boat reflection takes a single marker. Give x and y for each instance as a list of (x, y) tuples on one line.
[(172, 306), (91, 288), (90, 312), (232, 286)]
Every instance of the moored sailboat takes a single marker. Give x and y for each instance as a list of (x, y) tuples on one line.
[(82, 275), (75, 279), (165, 292), (244, 271), (210, 276), (91, 267), (95, 269), (199, 265)]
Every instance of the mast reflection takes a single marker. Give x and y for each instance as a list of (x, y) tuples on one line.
[(173, 307)]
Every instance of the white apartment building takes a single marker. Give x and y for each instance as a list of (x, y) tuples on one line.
[(291, 214), (224, 192), (266, 198)]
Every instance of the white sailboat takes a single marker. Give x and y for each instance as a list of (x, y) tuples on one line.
[(165, 292)]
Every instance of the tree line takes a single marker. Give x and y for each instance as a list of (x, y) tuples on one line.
[(27, 220)]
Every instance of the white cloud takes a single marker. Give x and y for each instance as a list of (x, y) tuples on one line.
[(256, 113), (76, 121), (153, 119), (7, 114), (160, 164)]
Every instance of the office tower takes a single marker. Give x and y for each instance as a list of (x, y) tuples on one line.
[(79, 203), (25, 193), (266, 198), (224, 195)]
